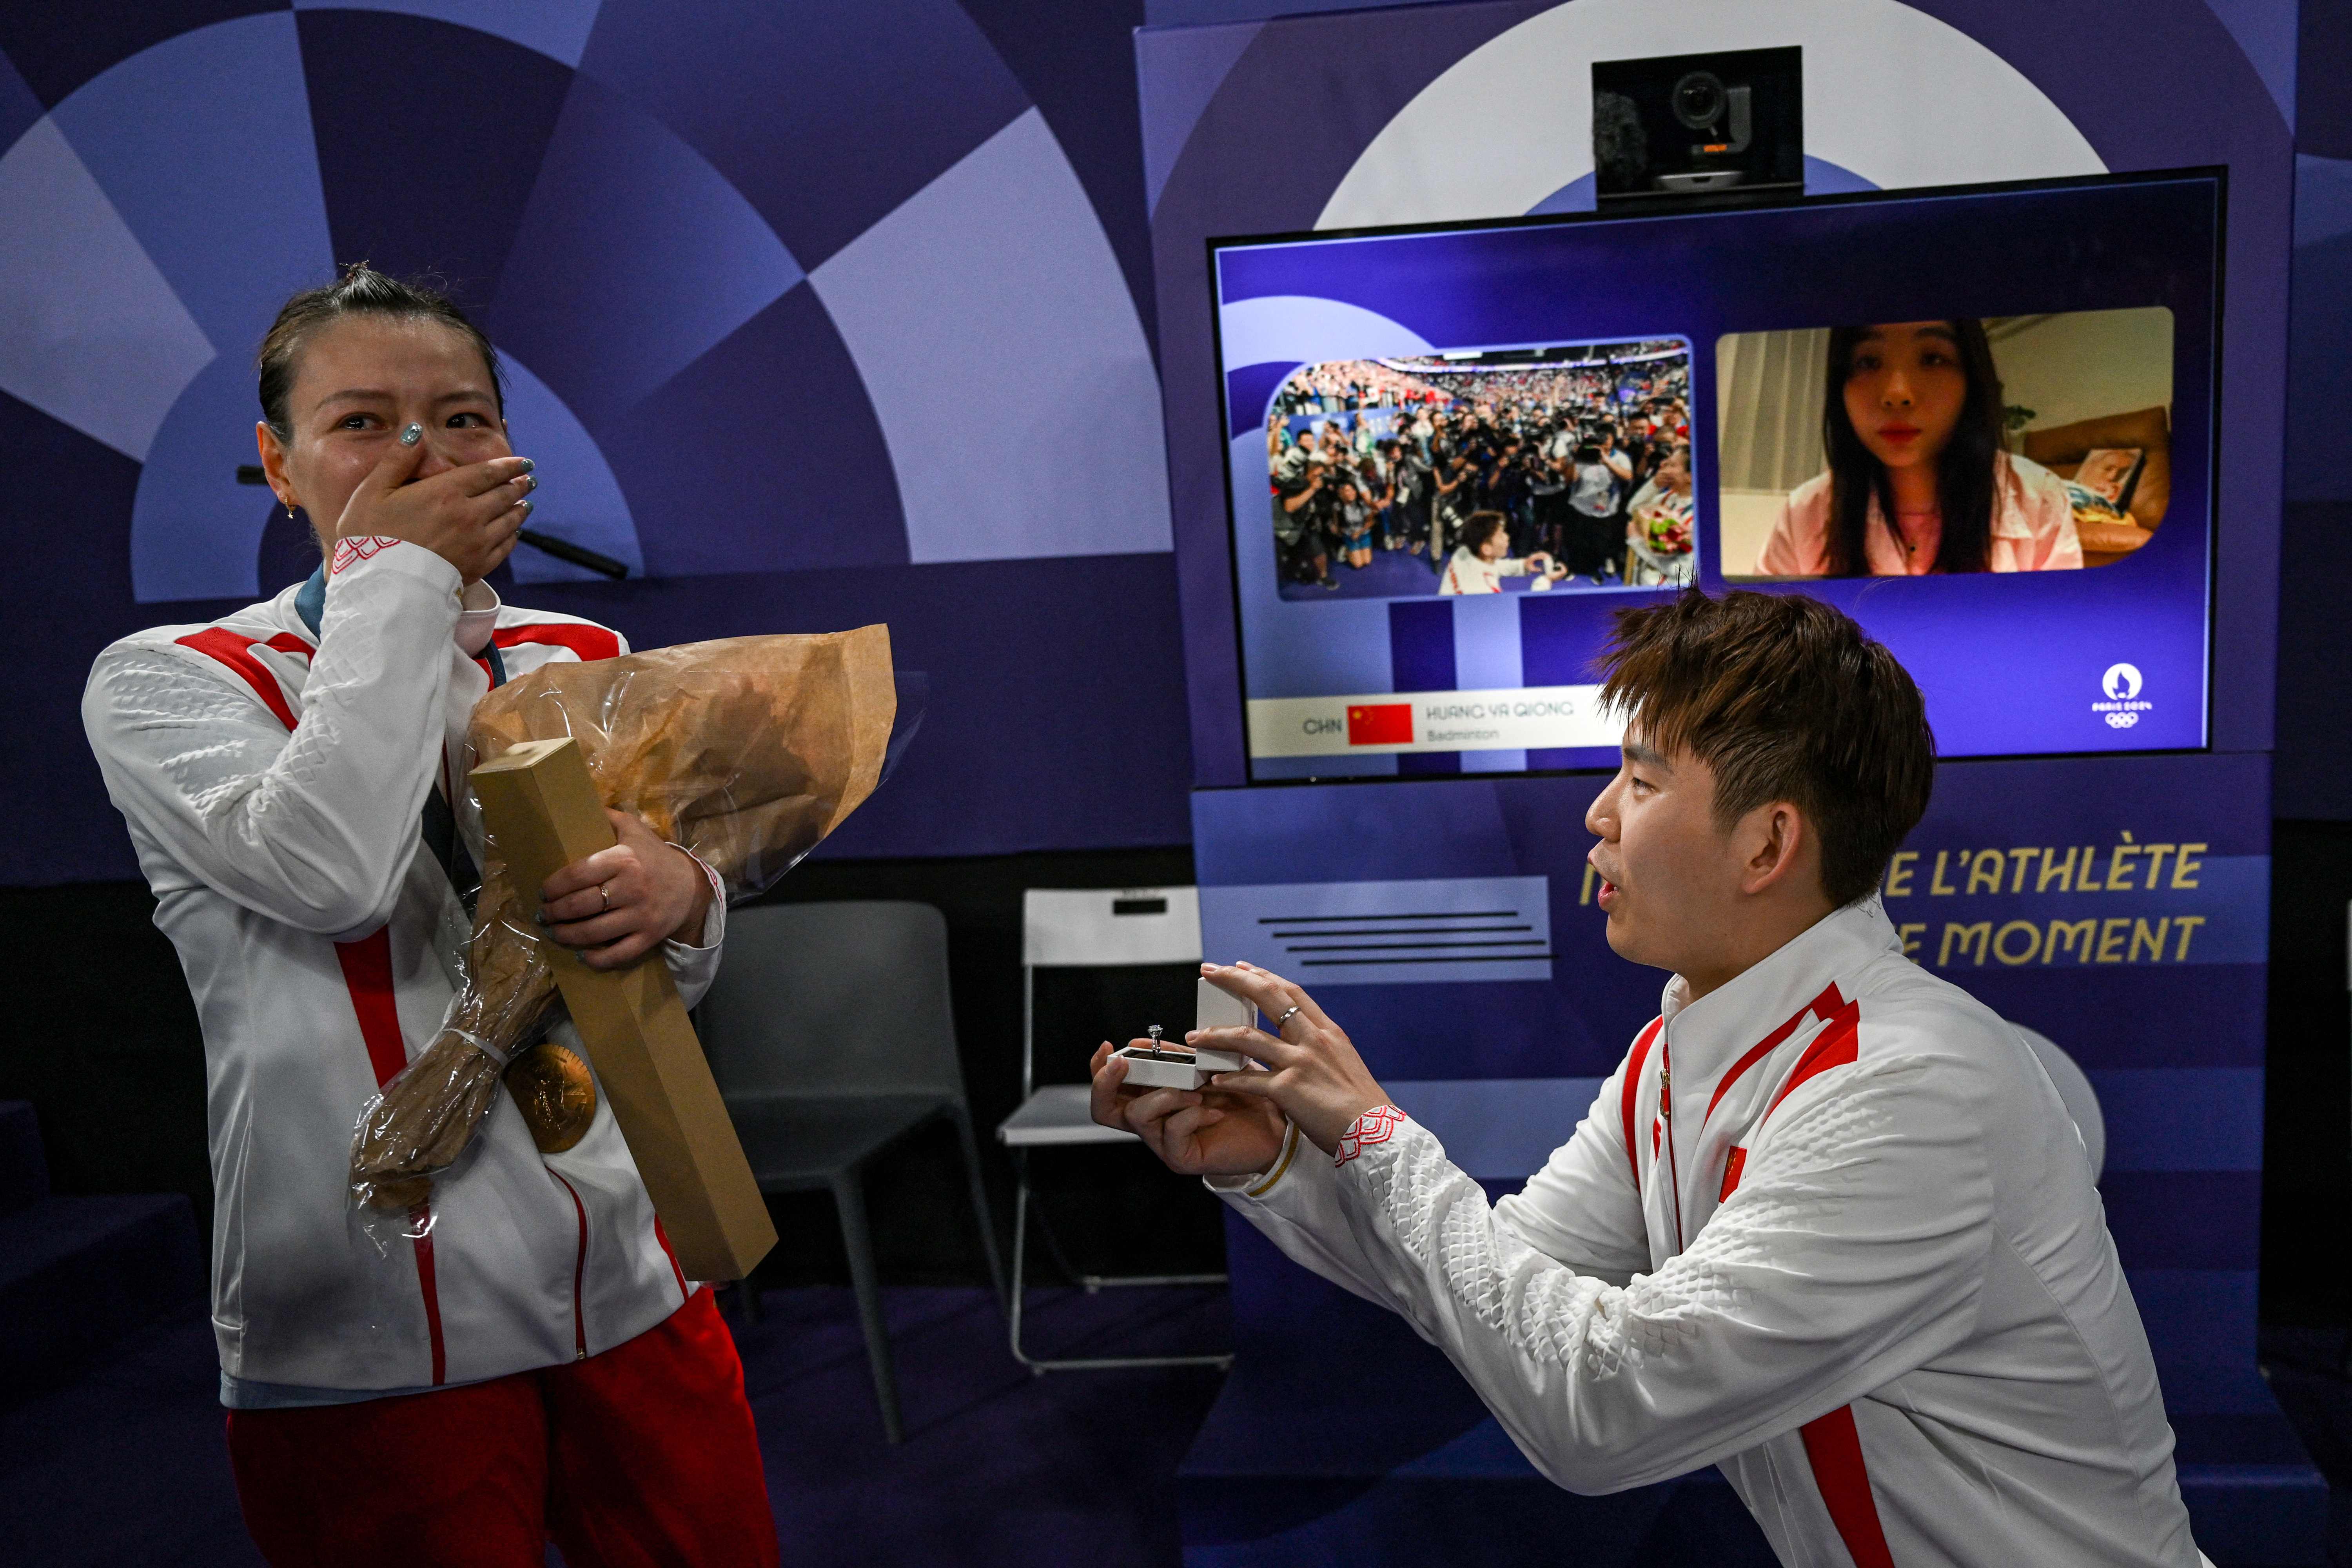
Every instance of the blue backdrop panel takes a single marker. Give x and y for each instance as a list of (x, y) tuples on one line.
[(2151, 871), (556, 28), (83, 830), (1341, 1435), (1035, 666), (56, 48), (18, 107), (2315, 758), (240, 168), (87, 278), (427, 169), (594, 512), (826, 116), (794, 477), (986, 467), (615, 186)]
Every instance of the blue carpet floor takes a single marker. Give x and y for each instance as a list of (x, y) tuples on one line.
[(1394, 574), (127, 1466), (1402, 574)]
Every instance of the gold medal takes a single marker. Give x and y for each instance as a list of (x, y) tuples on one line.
[(554, 1091)]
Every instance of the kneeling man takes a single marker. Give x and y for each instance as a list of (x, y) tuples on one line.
[(1827, 1226)]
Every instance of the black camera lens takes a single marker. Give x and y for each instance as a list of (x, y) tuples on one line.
[(1698, 99)]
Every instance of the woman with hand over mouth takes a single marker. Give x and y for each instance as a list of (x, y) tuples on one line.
[(1917, 481), (528, 1363)]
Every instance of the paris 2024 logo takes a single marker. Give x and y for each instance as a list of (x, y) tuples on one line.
[(2123, 706)]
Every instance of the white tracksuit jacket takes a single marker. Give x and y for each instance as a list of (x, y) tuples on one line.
[(273, 780), (1828, 1228)]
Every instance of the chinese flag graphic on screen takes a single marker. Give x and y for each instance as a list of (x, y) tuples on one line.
[(1381, 724)]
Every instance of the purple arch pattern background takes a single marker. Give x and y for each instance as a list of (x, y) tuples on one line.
[(644, 202), (788, 117)]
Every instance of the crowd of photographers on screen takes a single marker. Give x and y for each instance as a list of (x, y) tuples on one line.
[(1564, 473)]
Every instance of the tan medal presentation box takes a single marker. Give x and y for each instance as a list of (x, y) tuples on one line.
[(543, 813)]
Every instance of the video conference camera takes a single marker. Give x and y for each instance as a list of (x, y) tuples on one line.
[(1722, 128)]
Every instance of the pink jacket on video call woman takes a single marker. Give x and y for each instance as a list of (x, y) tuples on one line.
[(2033, 529)]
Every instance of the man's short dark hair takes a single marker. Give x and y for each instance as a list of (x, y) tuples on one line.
[(1784, 699), (1480, 526)]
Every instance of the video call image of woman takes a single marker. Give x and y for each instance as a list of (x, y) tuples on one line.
[(1917, 481)]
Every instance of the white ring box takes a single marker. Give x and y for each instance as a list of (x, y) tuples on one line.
[(1174, 1066)]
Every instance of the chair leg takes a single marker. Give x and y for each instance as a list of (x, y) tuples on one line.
[(1045, 1233), (1017, 1298), (1040, 1365), (849, 1197), (980, 1201)]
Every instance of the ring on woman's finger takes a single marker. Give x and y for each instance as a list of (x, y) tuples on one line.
[(1279, 1023)]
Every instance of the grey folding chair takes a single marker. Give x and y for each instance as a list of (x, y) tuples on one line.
[(1087, 929), (830, 1034)]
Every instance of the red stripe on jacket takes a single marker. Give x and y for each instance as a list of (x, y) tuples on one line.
[(1635, 1059), (1733, 1164), (1837, 1047), (1833, 1444), (231, 649), (579, 1270), (367, 962), (671, 1253), (1827, 1005), (367, 975), (431, 1289), (1836, 1449), (588, 642)]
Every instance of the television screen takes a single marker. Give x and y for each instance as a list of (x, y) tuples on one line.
[(1979, 420)]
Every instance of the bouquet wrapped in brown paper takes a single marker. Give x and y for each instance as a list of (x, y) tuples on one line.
[(746, 750)]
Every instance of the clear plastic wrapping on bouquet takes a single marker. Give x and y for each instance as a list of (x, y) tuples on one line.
[(745, 751)]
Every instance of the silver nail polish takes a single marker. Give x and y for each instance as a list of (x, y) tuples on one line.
[(412, 435)]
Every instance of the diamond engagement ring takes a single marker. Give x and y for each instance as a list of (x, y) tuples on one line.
[(604, 891), (1279, 1023)]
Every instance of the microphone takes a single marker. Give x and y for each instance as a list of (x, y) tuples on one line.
[(578, 554)]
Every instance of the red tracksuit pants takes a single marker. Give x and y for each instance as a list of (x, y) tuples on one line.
[(640, 1455)]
